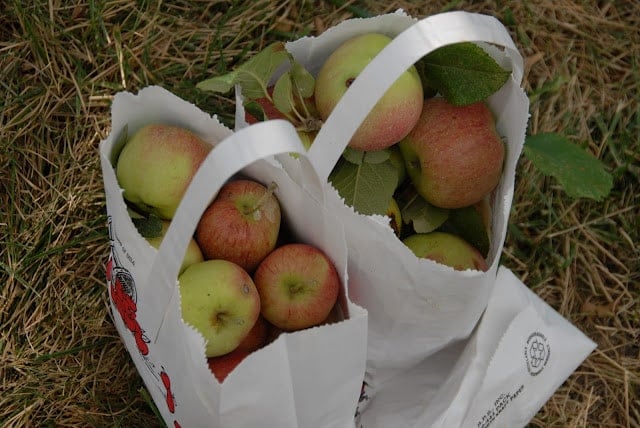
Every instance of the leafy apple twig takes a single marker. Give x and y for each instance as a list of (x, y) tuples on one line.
[(463, 73), (288, 94)]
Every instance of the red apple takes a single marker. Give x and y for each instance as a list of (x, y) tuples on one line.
[(454, 154), (257, 336), (298, 286), (240, 225), (222, 365), (270, 110)]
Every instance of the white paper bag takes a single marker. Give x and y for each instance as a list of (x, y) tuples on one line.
[(422, 368), (310, 378), (416, 306), (520, 353)]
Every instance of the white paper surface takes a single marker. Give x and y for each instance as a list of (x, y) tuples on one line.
[(520, 353), (277, 385), (414, 304)]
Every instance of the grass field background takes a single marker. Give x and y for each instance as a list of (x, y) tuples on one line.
[(61, 62)]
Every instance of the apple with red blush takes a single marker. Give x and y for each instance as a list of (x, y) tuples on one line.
[(241, 225), (298, 286)]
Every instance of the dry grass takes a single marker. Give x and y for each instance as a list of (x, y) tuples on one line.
[(61, 361)]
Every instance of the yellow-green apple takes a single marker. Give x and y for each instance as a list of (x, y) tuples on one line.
[(157, 164), (447, 249), (454, 154), (257, 336), (222, 365), (191, 256), (219, 300), (241, 224), (396, 112), (298, 286)]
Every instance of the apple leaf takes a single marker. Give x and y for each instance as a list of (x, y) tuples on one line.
[(256, 110), (282, 93), (377, 156), (148, 227), (354, 156), (469, 225), (424, 216), (357, 157), (303, 81), (253, 76), (579, 173), (366, 187), (220, 84), (463, 73)]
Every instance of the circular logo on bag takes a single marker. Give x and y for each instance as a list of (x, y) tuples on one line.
[(536, 353)]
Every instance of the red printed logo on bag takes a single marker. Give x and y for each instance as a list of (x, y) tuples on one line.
[(171, 405), (169, 397), (123, 295)]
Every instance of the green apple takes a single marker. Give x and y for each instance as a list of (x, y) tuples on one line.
[(241, 224), (219, 299), (298, 286), (157, 164), (454, 155), (447, 249), (393, 116), (192, 255)]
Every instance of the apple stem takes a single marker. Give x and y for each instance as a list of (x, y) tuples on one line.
[(299, 286), (270, 190), (311, 124)]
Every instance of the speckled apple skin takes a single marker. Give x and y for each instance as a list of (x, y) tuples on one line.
[(157, 164), (393, 116), (454, 155)]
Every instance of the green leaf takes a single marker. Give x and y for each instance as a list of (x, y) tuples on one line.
[(580, 174), (283, 94), (377, 156), (253, 75), (303, 81), (220, 84), (256, 110), (148, 227), (365, 187), (424, 216), (357, 157), (463, 73), (354, 156), (469, 225)]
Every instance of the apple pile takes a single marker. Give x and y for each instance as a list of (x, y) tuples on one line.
[(444, 158), (244, 278)]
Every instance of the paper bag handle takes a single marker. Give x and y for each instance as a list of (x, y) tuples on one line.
[(401, 53), (227, 158)]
